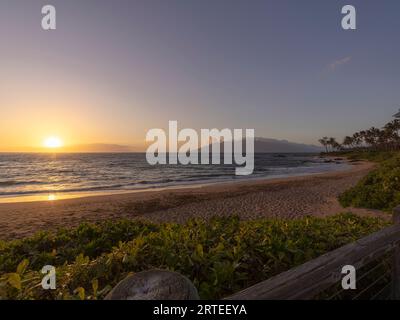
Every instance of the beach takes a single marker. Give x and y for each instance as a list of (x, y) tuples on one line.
[(292, 197)]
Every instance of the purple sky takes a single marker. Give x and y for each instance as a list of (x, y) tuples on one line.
[(114, 69)]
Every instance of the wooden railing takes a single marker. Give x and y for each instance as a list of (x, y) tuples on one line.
[(310, 279), (304, 282)]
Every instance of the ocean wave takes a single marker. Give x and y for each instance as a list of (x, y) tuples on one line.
[(153, 181), (92, 188), (48, 191), (9, 183), (145, 184), (37, 174)]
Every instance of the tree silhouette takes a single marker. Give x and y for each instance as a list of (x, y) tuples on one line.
[(386, 138)]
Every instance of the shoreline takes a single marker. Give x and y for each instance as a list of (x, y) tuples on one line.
[(290, 198), (58, 196)]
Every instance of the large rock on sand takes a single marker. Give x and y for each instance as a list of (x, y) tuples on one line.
[(154, 285)]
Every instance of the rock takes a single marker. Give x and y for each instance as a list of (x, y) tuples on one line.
[(154, 285)]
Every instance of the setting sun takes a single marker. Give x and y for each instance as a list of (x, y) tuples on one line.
[(53, 142)]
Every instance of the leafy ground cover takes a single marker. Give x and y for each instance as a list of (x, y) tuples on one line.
[(220, 256), (380, 189)]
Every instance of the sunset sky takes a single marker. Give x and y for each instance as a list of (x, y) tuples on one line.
[(114, 69)]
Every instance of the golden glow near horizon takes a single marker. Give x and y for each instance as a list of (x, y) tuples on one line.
[(52, 197), (53, 142)]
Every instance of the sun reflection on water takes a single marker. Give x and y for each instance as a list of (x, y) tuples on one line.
[(52, 197)]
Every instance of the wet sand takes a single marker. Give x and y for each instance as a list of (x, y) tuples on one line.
[(284, 198)]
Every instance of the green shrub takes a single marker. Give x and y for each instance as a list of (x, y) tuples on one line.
[(88, 239), (221, 256), (380, 189)]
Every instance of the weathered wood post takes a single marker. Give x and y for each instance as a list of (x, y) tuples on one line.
[(154, 285), (396, 260)]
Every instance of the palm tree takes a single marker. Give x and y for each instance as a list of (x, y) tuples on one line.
[(324, 142), (372, 136), (391, 131), (348, 141), (333, 143), (396, 124), (357, 139), (387, 138)]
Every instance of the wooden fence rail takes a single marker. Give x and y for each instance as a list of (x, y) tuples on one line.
[(308, 280)]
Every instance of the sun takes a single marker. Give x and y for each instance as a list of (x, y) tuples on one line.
[(52, 142)]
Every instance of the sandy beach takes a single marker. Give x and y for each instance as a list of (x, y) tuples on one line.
[(284, 198)]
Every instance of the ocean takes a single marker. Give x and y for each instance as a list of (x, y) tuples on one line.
[(25, 174)]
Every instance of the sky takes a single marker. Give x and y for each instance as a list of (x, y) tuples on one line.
[(112, 70)]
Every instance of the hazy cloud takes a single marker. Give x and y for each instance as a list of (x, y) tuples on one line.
[(337, 63)]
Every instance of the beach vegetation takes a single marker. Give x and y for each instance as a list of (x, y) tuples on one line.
[(379, 189), (386, 138), (220, 256)]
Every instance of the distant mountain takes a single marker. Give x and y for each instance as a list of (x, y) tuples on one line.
[(99, 147), (265, 145), (261, 145)]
